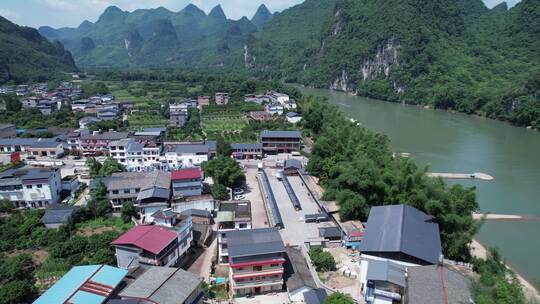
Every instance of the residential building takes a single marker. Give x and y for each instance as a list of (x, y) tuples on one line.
[(293, 117), (330, 233), (258, 99), (246, 151), (73, 139), (8, 131), (278, 97), (260, 116), (151, 245), (256, 258), (201, 202), (402, 233), (57, 215), (86, 121), (280, 141), (89, 284), (187, 154), (202, 225), (150, 191), (31, 187), (46, 149), (222, 98), (232, 216), (30, 102), (274, 108), (46, 107), (10, 145), (165, 285), (99, 142), (438, 284), (135, 156), (298, 278), (203, 101), (385, 282), (79, 105), (292, 166), (178, 114), (290, 105), (107, 114), (187, 182)]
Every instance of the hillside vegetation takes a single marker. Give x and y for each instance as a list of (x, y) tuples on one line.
[(454, 54), (159, 38), (26, 56)]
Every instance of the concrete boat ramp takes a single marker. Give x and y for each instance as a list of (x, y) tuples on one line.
[(476, 175)]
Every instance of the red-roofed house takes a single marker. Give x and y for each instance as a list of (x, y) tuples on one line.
[(150, 245), (187, 182)]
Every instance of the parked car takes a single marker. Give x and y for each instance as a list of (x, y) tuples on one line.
[(239, 197), (238, 191)]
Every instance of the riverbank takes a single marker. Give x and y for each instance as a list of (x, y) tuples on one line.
[(478, 250), (476, 175)]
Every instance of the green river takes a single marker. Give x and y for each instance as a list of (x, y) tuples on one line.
[(461, 143)]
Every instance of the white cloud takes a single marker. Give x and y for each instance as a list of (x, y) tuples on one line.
[(9, 14)]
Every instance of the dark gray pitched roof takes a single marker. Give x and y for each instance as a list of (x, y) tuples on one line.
[(293, 163), (424, 286), (386, 271), (254, 242), (163, 285), (329, 232), (402, 228), (282, 134), (315, 296), (300, 275), (57, 214)]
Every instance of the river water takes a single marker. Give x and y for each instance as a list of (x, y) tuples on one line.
[(465, 144)]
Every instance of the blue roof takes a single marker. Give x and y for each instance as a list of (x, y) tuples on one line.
[(69, 286)]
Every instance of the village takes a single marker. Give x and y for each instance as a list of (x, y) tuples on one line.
[(270, 239)]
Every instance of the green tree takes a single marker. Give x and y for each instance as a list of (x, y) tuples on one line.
[(128, 211), (225, 171), (94, 165), (223, 148), (322, 260), (220, 192), (15, 291), (99, 205), (12, 102), (339, 298), (110, 166), (6, 206)]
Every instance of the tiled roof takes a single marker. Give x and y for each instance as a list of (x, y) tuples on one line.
[(190, 173), (57, 214), (150, 238), (254, 242), (91, 284), (402, 228), (164, 285)]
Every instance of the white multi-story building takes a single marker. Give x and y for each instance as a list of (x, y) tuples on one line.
[(232, 216), (278, 97), (187, 155), (31, 187), (136, 157)]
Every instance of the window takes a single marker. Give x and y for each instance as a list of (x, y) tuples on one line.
[(244, 225), (274, 265), (137, 190), (126, 191), (28, 186), (257, 268), (39, 186), (115, 191)]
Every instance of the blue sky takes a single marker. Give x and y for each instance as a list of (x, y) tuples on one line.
[(59, 13)]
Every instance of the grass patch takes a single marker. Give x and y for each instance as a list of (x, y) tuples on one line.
[(115, 223)]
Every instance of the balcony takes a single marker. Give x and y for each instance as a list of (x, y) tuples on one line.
[(249, 284)]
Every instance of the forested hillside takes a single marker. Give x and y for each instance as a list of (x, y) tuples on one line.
[(26, 56), (156, 38), (449, 54)]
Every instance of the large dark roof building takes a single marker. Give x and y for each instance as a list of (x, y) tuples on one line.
[(245, 243), (402, 233), (424, 286)]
